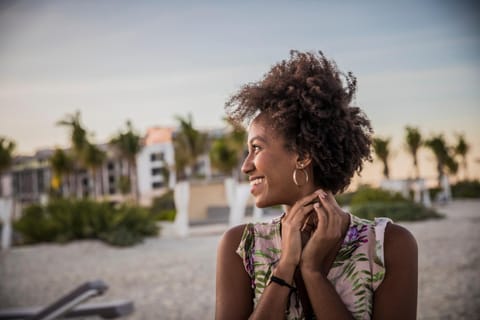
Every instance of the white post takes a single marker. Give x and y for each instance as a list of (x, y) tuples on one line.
[(447, 192), (230, 185), (418, 187), (425, 194), (237, 196), (6, 217), (182, 199), (427, 202), (230, 190)]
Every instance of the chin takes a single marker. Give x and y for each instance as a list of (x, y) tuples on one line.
[(264, 203), (261, 203)]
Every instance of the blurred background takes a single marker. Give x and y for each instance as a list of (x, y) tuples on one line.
[(106, 107)]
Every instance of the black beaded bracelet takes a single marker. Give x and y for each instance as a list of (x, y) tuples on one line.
[(282, 283)]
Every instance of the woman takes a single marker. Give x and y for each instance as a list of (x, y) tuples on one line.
[(305, 142)]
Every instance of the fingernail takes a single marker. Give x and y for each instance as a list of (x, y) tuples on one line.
[(319, 191), (316, 205)]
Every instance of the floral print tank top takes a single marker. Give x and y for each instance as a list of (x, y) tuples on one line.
[(356, 273)]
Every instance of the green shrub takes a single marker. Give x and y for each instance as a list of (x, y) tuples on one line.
[(163, 207), (434, 192), (36, 225), (344, 199), (121, 237), (64, 220), (369, 203), (367, 194), (164, 202), (397, 211), (166, 215), (466, 189)]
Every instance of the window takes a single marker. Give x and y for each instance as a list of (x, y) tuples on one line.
[(157, 185), (40, 180), (156, 171), (157, 156)]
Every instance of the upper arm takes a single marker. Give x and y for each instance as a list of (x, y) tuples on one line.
[(396, 297), (234, 296)]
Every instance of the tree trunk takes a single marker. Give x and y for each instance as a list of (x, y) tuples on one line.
[(465, 170), (102, 191), (94, 183), (440, 174), (1, 184), (386, 172), (70, 185), (417, 169), (75, 184), (136, 193)]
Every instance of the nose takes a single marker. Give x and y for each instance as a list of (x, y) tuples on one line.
[(247, 165)]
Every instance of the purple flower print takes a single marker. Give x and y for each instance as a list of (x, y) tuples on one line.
[(355, 235)]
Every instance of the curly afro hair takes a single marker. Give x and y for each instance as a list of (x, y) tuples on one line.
[(308, 101)]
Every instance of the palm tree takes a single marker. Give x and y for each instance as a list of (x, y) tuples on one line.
[(78, 134), (94, 158), (129, 144), (78, 138), (461, 150), (62, 165), (6, 151), (226, 152), (222, 156), (413, 138), (442, 154), (381, 148), (189, 144)]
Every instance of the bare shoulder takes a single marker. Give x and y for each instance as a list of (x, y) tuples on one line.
[(399, 243), (231, 238), (396, 297), (234, 295)]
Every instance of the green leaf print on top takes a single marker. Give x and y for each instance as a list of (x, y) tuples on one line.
[(356, 273)]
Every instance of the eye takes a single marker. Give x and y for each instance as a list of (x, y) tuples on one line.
[(256, 148)]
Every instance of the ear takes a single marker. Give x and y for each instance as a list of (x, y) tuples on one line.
[(303, 161)]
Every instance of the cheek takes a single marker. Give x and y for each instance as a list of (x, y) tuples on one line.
[(261, 161)]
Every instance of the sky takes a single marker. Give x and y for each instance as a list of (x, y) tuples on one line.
[(417, 63)]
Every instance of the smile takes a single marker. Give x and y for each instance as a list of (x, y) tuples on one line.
[(256, 181)]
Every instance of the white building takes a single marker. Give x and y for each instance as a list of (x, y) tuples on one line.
[(155, 164), (30, 177)]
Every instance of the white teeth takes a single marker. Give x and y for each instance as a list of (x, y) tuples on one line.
[(256, 181)]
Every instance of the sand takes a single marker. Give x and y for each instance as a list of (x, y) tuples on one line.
[(170, 278)]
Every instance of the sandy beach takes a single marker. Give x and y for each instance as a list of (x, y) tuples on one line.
[(171, 278)]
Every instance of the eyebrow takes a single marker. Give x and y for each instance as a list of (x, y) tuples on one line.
[(257, 138)]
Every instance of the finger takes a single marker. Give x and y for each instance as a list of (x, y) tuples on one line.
[(311, 198), (322, 217), (332, 210), (328, 202), (304, 212), (304, 203), (300, 215)]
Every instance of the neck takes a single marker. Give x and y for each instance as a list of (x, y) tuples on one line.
[(303, 192)]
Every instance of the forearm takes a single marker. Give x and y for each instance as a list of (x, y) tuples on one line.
[(272, 304), (325, 301)]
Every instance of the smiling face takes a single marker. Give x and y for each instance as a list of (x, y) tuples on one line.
[(270, 166)]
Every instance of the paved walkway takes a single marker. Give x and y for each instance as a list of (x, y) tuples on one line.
[(171, 278)]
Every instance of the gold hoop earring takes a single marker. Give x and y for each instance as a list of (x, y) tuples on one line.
[(295, 180)]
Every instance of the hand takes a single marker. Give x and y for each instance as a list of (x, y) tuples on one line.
[(292, 223), (323, 243)]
